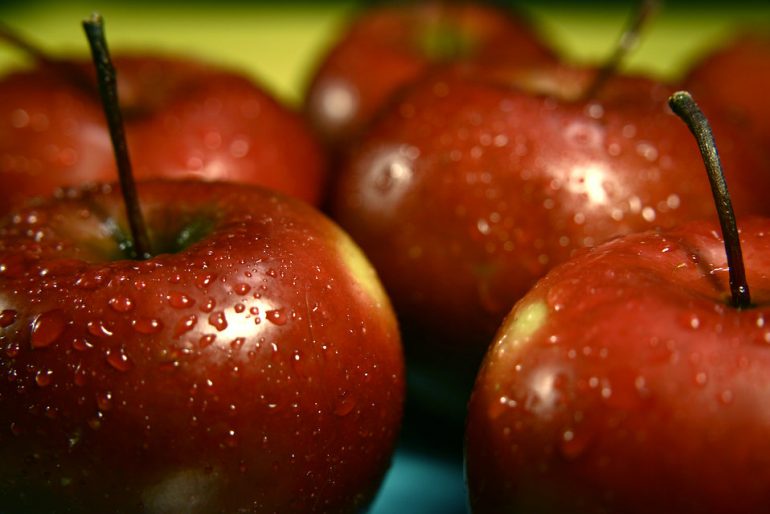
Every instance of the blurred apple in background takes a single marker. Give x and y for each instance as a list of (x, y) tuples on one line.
[(390, 45), (736, 78), (184, 119), (479, 180)]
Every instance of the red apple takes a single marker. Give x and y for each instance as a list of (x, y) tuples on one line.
[(388, 46), (476, 183), (634, 378), (624, 382), (736, 77), (184, 119), (252, 364)]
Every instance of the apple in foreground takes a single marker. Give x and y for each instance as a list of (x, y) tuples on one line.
[(481, 179), (184, 119), (624, 382), (633, 379), (252, 364), (388, 46)]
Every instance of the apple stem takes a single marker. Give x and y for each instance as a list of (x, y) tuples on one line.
[(685, 107), (628, 40), (108, 90)]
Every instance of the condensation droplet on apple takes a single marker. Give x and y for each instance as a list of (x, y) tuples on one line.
[(701, 378), (43, 378), (694, 322), (209, 305), (726, 397), (241, 288), (179, 300), (185, 324), (276, 316), (206, 340), (345, 405), (647, 151), (573, 443), (119, 360), (147, 325), (104, 401), (7, 318), (218, 320), (81, 344), (121, 303), (92, 280), (47, 328)]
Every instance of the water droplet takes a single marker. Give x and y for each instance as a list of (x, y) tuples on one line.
[(701, 378), (726, 397), (7, 317), (694, 322), (218, 320), (121, 303), (206, 340), (345, 405), (90, 281), (239, 308), (276, 316), (209, 305), (119, 361), (242, 288), (179, 300), (147, 325), (104, 401), (185, 325), (573, 443), (100, 328), (81, 344), (44, 378), (47, 328)]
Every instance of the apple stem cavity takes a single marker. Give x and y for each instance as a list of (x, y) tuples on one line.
[(108, 90), (685, 107), (628, 41)]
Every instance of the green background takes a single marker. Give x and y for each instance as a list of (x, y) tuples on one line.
[(279, 43)]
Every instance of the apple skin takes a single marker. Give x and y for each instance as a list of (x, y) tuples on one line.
[(258, 369), (736, 78), (388, 46), (473, 186), (625, 382), (184, 119)]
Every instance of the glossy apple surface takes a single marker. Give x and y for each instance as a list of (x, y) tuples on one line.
[(388, 46), (736, 77), (626, 382), (184, 119), (477, 182), (252, 365)]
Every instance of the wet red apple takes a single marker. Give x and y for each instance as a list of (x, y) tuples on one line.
[(633, 378), (478, 181), (387, 46), (190, 347), (736, 77), (184, 119)]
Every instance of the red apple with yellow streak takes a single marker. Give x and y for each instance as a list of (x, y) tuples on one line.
[(249, 363)]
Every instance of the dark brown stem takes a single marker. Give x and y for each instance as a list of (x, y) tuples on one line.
[(685, 107), (108, 89), (627, 42)]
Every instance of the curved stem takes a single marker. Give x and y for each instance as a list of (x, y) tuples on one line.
[(685, 107), (627, 42), (108, 89)]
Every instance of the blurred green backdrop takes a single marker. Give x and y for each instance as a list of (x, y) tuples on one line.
[(279, 42)]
